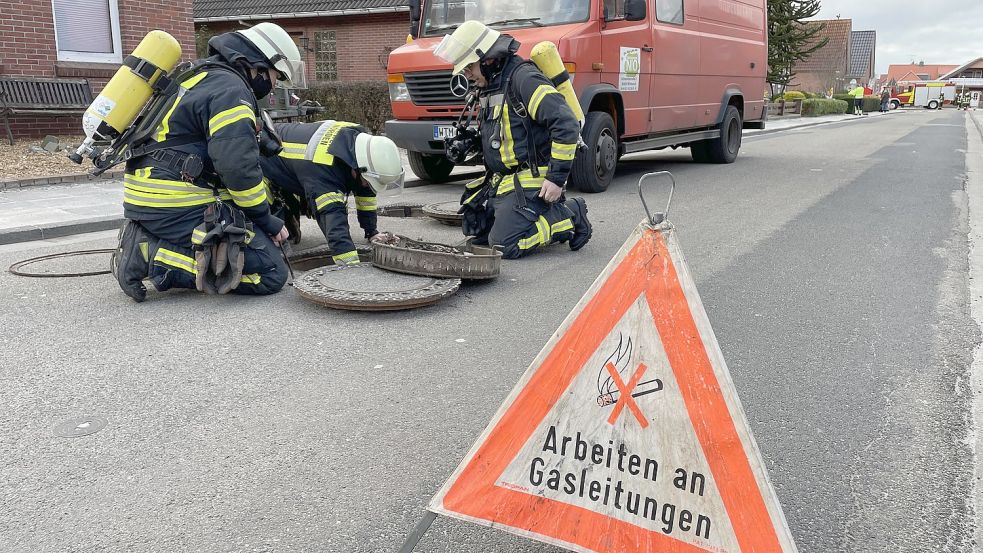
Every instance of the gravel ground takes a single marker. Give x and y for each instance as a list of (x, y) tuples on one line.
[(20, 162)]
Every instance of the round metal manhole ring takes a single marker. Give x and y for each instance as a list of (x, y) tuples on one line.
[(16, 267), (365, 287), (76, 428), (444, 212), (401, 210)]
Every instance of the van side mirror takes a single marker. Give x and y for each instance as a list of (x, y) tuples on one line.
[(414, 18), (634, 10)]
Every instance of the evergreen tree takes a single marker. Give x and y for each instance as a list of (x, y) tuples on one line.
[(790, 39)]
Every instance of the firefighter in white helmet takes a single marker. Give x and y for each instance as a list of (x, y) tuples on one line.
[(528, 139), (195, 199), (321, 164)]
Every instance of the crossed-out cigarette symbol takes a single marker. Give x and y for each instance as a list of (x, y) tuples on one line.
[(625, 395)]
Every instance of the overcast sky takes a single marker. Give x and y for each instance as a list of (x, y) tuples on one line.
[(936, 31)]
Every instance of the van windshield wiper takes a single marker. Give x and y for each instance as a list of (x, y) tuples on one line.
[(533, 20), (443, 29)]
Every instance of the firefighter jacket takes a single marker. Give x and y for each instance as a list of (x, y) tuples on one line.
[(213, 116), (316, 164), (522, 98)]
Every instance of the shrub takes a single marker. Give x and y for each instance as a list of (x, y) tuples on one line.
[(872, 103), (793, 95), (843, 96), (362, 102), (815, 107)]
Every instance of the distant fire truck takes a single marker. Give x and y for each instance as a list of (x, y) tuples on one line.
[(929, 95)]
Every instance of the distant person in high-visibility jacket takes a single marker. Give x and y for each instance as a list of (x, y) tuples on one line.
[(858, 100)]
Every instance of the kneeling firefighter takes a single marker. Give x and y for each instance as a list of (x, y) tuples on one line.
[(529, 138), (325, 162), (195, 198)]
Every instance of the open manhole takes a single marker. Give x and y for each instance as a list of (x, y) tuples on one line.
[(445, 212), (365, 287), (401, 210), (321, 255)]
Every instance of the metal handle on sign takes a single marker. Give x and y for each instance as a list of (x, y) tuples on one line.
[(660, 216)]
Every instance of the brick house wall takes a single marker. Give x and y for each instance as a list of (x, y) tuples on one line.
[(362, 42), (27, 47)]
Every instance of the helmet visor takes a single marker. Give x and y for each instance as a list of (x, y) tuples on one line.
[(456, 53), (385, 185), (292, 73)]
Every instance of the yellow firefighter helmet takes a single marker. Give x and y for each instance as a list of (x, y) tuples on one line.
[(466, 45)]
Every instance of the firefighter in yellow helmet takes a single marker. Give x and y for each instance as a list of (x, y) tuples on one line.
[(194, 196), (528, 139), (322, 164)]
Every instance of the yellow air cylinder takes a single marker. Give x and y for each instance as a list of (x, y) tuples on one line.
[(547, 59), (128, 91)]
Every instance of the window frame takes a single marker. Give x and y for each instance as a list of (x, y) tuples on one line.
[(116, 56), (682, 13), (334, 33)]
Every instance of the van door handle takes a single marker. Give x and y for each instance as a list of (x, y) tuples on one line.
[(647, 48)]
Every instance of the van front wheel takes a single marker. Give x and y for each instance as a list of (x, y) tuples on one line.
[(593, 168), (724, 149), (435, 168)]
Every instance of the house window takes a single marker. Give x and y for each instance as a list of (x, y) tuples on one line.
[(325, 56), (669, 11), (87, 30)]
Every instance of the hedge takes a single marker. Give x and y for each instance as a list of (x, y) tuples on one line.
[(793, 95), (362, 102), (815, 107)]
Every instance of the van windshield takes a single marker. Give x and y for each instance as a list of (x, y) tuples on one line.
[(443, 16)]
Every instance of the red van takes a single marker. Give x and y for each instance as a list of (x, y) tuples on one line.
[(649, 74)]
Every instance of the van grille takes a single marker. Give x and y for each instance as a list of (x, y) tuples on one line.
[(431, 88)]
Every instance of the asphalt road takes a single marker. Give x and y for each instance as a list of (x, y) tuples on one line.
[(833, 262)]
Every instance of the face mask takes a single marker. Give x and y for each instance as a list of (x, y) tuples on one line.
[(261, 84)]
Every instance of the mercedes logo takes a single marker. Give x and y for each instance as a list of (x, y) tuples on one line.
[(459, 86)]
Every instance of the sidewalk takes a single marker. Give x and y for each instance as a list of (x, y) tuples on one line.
[(42, 212)]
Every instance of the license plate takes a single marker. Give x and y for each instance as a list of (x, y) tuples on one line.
[(441, 132)]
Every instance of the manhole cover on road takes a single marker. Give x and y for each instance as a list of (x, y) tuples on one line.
[(76, 428), (65, 264), (444, 212), (365, 287)]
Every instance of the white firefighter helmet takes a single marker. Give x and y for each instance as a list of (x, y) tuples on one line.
[(280, 50), (466, 45), (379, 163)]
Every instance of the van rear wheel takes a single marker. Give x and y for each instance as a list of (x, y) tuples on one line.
[(435, 168), (593, 168), (724, 149)]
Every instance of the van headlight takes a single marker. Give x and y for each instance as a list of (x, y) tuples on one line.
[(398, 92)]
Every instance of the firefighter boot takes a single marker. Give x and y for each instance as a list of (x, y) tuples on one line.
[(130, 260), (582, 229)]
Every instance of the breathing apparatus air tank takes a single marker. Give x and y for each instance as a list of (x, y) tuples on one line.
[(127, 93), (547, 59)]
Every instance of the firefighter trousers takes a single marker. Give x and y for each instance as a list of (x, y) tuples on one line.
[(520, 230), (172, 264)]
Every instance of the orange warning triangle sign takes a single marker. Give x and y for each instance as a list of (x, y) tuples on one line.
[(626, 433)]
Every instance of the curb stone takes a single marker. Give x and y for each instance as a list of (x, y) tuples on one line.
[(11, 184), (55, 230)]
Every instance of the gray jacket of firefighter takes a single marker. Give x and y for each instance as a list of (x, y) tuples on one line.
[(504, 141), (216, 111), (316, 164)]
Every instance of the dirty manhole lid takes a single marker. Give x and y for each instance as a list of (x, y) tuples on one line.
[(444, 212), (365, 287), (76, 428)]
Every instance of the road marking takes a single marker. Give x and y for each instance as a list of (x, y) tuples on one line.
[(974, 194)]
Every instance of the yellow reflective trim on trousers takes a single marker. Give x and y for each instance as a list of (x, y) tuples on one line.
[(366, 203), (507, 184), (177, 260), (537, 97), (293, 150), (229, 116), (250, 197), (348, 258), (561, 226), (250, 279), (327, 199), (507, 149), (564, 152)]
